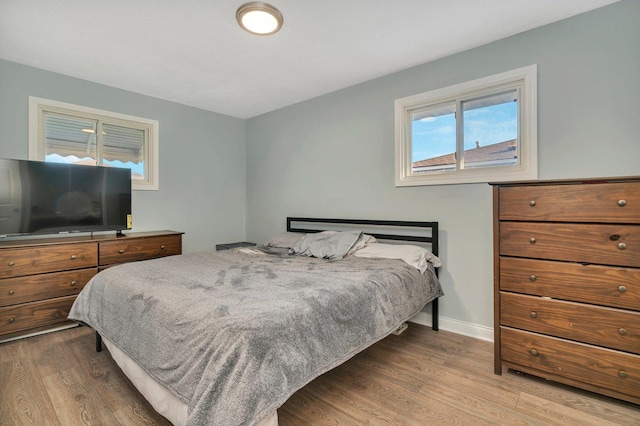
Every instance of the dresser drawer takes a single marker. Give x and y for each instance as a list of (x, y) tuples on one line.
[(34, 314), (610, 369), (56, 257), (45, 286), (606, 202), (600, 285), (591, 243), (124, 250), (597, 325)]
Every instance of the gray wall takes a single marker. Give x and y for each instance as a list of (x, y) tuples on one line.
[(333, 156), (202, 154)]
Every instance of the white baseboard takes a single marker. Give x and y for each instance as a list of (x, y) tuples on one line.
[(38, 333), (455, 326)]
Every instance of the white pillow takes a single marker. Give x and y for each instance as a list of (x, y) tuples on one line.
[(364, 240), (285, 240), (413, 255)]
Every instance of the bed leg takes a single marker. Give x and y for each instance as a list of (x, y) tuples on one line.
[(434, 314), (98, 342)]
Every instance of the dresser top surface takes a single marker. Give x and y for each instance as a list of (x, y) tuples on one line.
[(30, 242), (573, 181)]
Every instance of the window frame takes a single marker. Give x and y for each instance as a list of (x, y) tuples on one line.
[(525, 79), (38, 107)]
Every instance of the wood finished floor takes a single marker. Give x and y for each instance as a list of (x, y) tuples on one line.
[(419, 378)]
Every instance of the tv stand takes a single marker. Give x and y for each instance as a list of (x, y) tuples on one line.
[(40, 278), (119, 233)]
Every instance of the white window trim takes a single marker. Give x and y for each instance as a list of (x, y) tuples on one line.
[(527, 169), (36, 135)]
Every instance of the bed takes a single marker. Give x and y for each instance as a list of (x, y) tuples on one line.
[(225, 338)]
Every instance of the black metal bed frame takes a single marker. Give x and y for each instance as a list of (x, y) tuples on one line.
[(432, 239)]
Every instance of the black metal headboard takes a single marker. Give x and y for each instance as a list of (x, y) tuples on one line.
[(408, 228), (419, 228)]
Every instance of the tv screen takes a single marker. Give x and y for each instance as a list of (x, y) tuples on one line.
[(51, 198)]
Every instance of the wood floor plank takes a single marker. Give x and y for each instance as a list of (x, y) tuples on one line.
[(610, 409), (23, 396), (380, 391), (352, 400), (398, 346), (422, 409), (51, 354), (477, 360), (139, 414), (481, 407), (18, 349), (553, 412), (421, 377), (488, 389), (374, 362), (317, 411), (75, 401)]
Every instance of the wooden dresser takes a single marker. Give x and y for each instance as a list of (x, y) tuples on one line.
[(567, 282), (40, 278)]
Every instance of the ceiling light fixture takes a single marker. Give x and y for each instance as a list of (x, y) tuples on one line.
[(259, 18)]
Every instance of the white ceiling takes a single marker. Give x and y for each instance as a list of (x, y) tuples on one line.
[(193, 52)]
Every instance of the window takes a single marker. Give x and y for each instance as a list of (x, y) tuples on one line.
[(60, 132), (480, 131)]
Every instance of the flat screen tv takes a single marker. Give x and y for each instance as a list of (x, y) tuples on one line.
[(53, 198)]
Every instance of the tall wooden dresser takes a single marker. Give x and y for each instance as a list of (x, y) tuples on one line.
[(40, 278), (567, 282)]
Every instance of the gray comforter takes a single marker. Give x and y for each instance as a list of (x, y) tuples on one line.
[(234, 333)]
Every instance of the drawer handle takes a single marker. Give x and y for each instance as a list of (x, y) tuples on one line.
[(622, 289), (623, 331), (532, 240), (12, 292), (532, 203), (534, 352), (73, 283), (623, 374), (622, 246), (534, 314), (12, 264), (12, 320), (532, 278), (162, 247), (622, 203), (120, 251), (73, 257)]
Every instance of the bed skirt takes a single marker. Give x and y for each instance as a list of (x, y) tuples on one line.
[(163, 401)]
